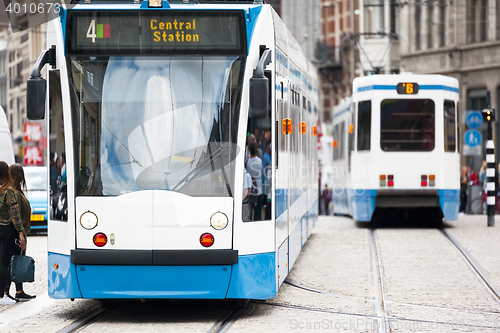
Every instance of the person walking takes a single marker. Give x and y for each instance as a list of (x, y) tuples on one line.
[(10, 228), (327, 198), (19, 182)]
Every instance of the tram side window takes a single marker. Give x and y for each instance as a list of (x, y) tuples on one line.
[(458, 127), (339, 145), (364, 125), (449, 126), (58, 180), (258, 153)]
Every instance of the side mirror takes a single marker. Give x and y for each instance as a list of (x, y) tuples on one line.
[(259, 97), (35, 98), (259, 89), (36, 87)]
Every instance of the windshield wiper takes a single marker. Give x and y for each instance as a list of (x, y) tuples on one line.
[(208, 160)]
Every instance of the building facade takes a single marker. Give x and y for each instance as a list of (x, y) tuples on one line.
[(459, 39), (21, 50)]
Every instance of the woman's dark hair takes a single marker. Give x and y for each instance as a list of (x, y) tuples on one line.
[(253, 148), (17, 174), (5, 178)]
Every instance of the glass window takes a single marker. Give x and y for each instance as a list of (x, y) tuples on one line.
[(418, 24), (374, 16), (498, 19), (57, 165), (430, 24), (442, 22), (407, 125), (449, 126), (394, 17), (164, 123), (364, 125)]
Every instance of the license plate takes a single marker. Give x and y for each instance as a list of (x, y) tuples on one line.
[(37, 218)]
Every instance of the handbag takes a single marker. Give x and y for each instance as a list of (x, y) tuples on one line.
[(22, 268)]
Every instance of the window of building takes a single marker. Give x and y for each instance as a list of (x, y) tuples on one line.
[(498, 20), (418, 24), (394, 17), (471, 22), (374, 16), (477, 21), (430, 24), (442, 22), (483, 23)]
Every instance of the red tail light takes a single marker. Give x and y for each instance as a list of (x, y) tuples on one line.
[(423, 180), (390, 180), (207, 239), (100, 239)]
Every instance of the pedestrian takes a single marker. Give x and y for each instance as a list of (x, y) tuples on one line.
[(54, 174), (246, 209), (17, 174), (483, 180), (254, 168), (327, 198), (11, 227), (463, 188)]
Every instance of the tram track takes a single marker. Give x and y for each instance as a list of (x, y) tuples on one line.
[(222, 324), (227, 320), (474, 266), (378, 281), (84, 321)]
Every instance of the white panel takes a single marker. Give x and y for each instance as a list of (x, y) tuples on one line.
[(129, 217), (180, 220)]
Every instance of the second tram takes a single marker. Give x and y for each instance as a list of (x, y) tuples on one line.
[(396, 146)]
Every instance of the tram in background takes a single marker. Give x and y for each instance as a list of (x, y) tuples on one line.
[(6, 149), (152, 108), (396, 147)]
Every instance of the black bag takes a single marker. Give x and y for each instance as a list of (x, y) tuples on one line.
[(252, 199), (22, 269)]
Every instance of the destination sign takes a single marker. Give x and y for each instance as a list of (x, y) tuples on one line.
[(155, 32), (407, 88)]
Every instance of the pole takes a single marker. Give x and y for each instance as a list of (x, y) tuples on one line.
[(490, 173), (489, 116)]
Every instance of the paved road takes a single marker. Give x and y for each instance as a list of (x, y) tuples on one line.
[(333, 286)]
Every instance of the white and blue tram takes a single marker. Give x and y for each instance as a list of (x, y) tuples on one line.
[(396, 146), (150, 105)]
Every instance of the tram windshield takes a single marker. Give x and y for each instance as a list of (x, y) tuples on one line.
[(155, 123), (407, 125)]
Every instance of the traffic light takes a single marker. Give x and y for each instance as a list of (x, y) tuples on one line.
[(489, 115)]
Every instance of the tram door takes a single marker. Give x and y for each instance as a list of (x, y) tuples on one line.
[(283, 119), (282, 160)]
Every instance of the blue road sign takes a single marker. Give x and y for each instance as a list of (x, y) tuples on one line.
[(472, 138), (474, 119)]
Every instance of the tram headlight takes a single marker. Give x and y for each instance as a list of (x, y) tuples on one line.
[(88, 220), (219, 221)]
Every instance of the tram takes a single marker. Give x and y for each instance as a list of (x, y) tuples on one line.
[(6, 149), (396, 147), (153, 107)]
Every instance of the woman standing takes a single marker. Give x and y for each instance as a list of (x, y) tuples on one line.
[(10, 227), (19, 182)]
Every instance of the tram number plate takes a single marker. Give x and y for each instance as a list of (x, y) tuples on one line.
[(36, 217), (407, 88)]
